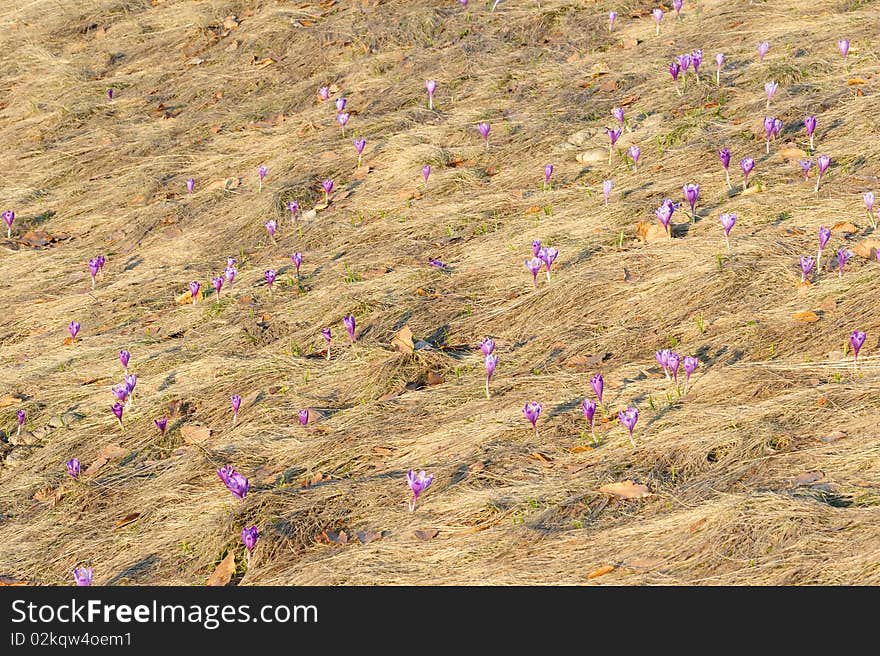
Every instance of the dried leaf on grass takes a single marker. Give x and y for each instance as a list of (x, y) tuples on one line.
[(402, 341), (427, 533), (626, 490), (602, 571), (224, 571)]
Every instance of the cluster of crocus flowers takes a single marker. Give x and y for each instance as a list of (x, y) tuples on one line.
[(856, 341), (161, 425), (349, 323), (359, 145), (531, 411), (73, 329), (8, 218), (727, 222), (261, 172), (746, 164), (724, 156), (484, 131), (770, 89), (327, 335), (236, 404), (82, 576), (431, 86), (487, 347), (117, 409), (823, 162), (249, 535), (548, 171), (418, 483), (628, 419), (303, 416), (772, 127), (74, 467), (234, 481), (543, 256), (21, 417), (669, 360), (692, 195), (664, 216), (269, 275), (763, 48)]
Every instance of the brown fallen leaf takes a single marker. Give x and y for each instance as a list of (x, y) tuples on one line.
[(194, 433), (602, 571), (580, 448), (186, 297), (807, 316), (48, 494), (10, 581), (828, 305), (843, 227), (833, 437), (650, 231), (543, 458), (626, 490), (697, 525), (36, 239), (106, 455), (427, 533), (128, 519), (585, 362), (224, 571), (867, 248), (335, 538), (856, 81), (368, 536), (402, 341), (434, 378), (808, 478), (9, 400), (792, 154)]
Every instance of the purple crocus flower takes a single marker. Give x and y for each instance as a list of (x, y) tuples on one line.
[(73, 329), (118, 409), (293, 206), (190, 185), (327, 335), (658, 16), (536, 247), (673, 361), (843, 47), (340, 104), (869, 201), (824, 236), (348, 322), (662, 357), (217, 282), (770, 89), (229, 274), (324, 93), (327, 186), (692, 194), (303, 416), (532, 410), (194, 287), (628, 418), (719, 62), (612, 16), (249, 535), (843, 256), (806, 165), (768, 130), (676, 4), (598, 385), (548, 255), (426, 173), (120, 392), (359, 145), (8, 218), (262, 171), (109, 94), (484, 131), (690, 364), (607, 186), (810, 126), (746, 164), (272, 228), (487, 346), (618, 114), (234, 482), (534, 265), (674, 70), (777, 127), (856, 340), (431, 86), (93, 270), (588, 407), (297, 261), (664, 215), (434, 262), (724, 156), (161, 424), (697, 61), (491, 361), (101, 260), (21, 417), (806, 267), (727, 221), (236, 404), (824, 161), (548, 171), (74, 467), (635, 152), (418, 484), (763, 47), (342, 119), (613, 136), (83, 575), (685, 62), (269, 275)]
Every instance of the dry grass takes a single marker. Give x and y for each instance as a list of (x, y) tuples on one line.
[(721, 462)]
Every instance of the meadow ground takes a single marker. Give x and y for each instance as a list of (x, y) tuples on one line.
[(766, 472)]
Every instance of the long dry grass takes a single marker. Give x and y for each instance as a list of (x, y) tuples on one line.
[(195, 98)]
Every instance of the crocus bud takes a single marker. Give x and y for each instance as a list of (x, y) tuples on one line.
[(692, 194), (342, 119), (8, 218), (249, 537), (217, 282), (628, 418), (763, 47), (340, 104), (843, 47), (664, 215), (262, 171), (269, 275), (673, 360), (324, 93), (806, 165), (236, 404), (697, 61), (607, 186), (74, 467), (617, 113), (856, 340), (719, 62), (118, 409), (190, 185), (823, 161), (690, 364), (658, 16), (297, 261), (73, 329), (21, 417), (724, 156), (417, 484), (806, 263), (431, 86), (676, 4), (824, 236), (598, 385), (426, 173), (194, 287), (484, 131), (548, 256), (349, 323), (674, 70), (662, 357), (293, 206), (234, 482), (635, 152), (491, 361), (746, 164), (303, 417), (109, 94), (531, 411), (271, 227), (843, 256), (229, 274), (161, 425), (93, 270), (613, 135), (487, 346), (770, 89), (612, 16), (548, 171), (810, 126), (359, 145), (588, 407), (120, 392), (327, 186), (684, 61), (727, 221), (83, 575), (534, 265), (325, 333), (869, 201), (536, 247)]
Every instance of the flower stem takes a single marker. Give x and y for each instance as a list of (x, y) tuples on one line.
[(487, 387), (727, 176)]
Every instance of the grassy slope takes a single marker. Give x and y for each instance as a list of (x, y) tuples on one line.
[(721, 462)]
